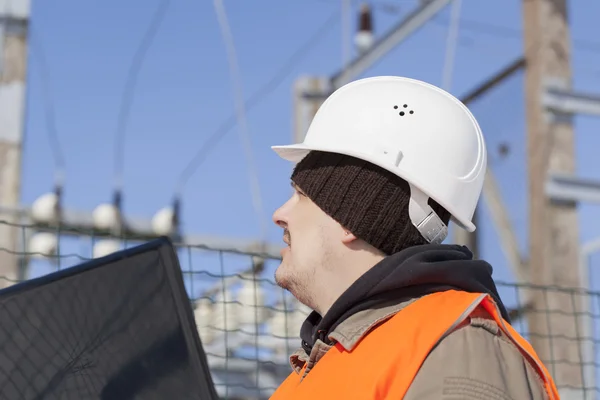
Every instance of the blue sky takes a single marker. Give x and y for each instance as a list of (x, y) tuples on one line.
[(184, 93)]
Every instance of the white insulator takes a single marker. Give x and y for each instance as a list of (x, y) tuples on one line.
[(43, 244), (226, 312), (106, 216), (162, 222), (44, 208), (105, 247), (203, 314), (363, 41), (252, 299)]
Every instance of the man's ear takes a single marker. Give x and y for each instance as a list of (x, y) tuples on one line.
[(348, 237)]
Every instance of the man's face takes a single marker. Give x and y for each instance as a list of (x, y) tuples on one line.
[(310, 235)]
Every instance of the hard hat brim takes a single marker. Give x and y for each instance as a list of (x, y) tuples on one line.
[(296, 152)]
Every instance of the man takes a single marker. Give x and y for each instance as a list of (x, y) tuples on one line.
[(386, 164)]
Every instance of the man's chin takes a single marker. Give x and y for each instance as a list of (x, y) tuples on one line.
[(281, 277)]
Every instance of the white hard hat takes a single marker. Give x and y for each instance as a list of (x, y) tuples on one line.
[(413, 129)]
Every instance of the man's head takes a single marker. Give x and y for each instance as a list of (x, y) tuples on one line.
[(344, 215), (386, 162)]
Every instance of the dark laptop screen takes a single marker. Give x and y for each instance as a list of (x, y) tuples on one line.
[(120, 327)]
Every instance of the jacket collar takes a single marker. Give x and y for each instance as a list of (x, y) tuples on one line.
[(348, 333)]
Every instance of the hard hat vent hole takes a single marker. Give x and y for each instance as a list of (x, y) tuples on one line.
[(402, 113)]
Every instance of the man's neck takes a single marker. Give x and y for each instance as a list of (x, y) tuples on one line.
[(338, 279)]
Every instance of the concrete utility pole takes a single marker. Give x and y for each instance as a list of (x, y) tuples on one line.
[(14, 18), (553, 230), (308, 97)]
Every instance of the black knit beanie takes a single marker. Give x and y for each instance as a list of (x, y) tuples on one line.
[(365, 199)]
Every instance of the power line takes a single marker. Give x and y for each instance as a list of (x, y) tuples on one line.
[(282, 73), (238, 97), (129, 88), (586, 45), (513, 33), (49, 109), (287, 68), (460, 235), (451, 44)]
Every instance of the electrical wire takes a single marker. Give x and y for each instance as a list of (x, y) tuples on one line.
[(586, 45), (346, 32), (255, 99), (240, 111), (41, 67), (451, 44), (487, 28), (129, 89), (447, 74)]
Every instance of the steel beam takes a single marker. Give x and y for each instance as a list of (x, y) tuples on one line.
[(490, 83), (80, 223), (570, 102), (569, 188)]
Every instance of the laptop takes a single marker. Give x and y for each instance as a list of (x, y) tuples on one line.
[(114, 328)]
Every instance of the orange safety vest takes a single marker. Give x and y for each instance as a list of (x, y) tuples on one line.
[(386, 361)]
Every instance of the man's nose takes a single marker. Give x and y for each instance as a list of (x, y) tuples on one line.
[(280, 216)]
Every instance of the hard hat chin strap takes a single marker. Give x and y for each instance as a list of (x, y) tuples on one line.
[(429, 224)]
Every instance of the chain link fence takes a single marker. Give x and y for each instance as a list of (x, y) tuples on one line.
[(249, 326)]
